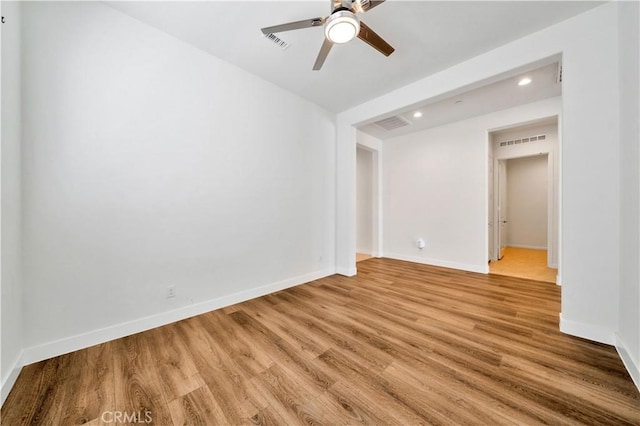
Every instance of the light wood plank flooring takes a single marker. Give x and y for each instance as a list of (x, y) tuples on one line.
[(362, 256), (524, 263), (401, 343)]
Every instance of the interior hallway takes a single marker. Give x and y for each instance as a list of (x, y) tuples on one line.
[(524, 263)]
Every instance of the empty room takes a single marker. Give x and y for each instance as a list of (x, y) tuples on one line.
[(262, 212)]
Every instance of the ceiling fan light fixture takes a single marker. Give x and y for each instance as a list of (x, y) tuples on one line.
[(342, 26)]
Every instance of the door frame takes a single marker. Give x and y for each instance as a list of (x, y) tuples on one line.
[(375, 148), (553, 196), (497, 213)]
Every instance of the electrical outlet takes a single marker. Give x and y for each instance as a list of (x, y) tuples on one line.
[(171, 291)]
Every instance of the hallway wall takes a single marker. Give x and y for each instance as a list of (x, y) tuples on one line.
[(527, 213), (364, 200)]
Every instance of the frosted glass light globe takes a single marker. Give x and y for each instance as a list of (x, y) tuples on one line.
[(342, 27)]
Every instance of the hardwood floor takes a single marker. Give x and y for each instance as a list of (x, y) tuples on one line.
[(524, 263), (400, 343)]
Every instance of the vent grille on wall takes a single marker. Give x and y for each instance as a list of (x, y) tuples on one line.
[(392, 123), (536, 138), (277, 41)]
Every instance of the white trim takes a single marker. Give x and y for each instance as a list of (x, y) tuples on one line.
[(10, 380), (632, 366), (370, 143), (481, 269), (84, 340), (365, 251), (378, 196), (347, 272), (374, 146), (4, 391), (558, 280), (527, 247), (587, 331)]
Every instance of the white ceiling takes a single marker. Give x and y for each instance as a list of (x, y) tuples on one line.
[(502, 94), (428, 37)]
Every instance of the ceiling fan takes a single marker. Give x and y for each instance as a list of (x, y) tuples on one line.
[(341, 26)]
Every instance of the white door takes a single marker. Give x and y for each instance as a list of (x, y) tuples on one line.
[(502, 207)]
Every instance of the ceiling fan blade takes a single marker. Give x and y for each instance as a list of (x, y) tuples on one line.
[(367, 35), (297, 25), (322, 55)]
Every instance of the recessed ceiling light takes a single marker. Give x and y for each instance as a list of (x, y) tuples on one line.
[(524, 81), (417, 114)]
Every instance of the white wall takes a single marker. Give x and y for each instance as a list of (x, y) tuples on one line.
[(527, 202), (628, 336), (149, 163), (435, 188), (364, 203), (11, 264), (590, 181)]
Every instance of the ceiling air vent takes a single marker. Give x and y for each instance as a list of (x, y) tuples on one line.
[(277, 41), (523, 140), (392, 123)]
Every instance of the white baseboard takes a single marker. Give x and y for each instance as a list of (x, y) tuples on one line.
[(587, 331), (524, 246), (558, 280), (632, 366), (95, 337), (364, 251), (482, 269), (10, 380)]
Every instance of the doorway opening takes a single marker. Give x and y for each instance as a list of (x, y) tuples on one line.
[(523, 201), (367, 232)]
